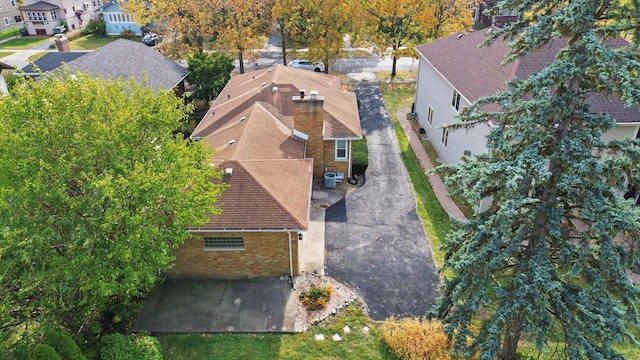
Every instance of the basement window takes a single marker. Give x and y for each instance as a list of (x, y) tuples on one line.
[(223, 243)]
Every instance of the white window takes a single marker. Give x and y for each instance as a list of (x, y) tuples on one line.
[(341, 149), (29, 16), (13, 3), (54, 15), (223, 243), (6, 21), (455, 100), (445, 137), (430, 115)]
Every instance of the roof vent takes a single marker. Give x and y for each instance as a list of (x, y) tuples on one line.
[(263, 84), (243, 118), (228, 171), (228, 96), (269, 70), (459, 35), (313, 94), (274, 89), (232, 141), (302, 91)]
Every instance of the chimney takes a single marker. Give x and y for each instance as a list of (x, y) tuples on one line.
[(62, 43), (308, 118)]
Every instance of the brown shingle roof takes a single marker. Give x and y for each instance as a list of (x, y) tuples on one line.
[(265, 195), (476, 71), (242, 91)]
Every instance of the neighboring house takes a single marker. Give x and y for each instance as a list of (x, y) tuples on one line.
[(501, 19), (271, 140), (50, 61), (125, 59), (40, 17), (9, 14), (116, 20), (454, 72), (3, 85)]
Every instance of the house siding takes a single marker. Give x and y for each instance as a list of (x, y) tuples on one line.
[(433, 90), (264, 254), (9, 12), (114, 27), (308, 117)]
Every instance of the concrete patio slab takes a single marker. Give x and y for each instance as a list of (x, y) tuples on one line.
[(265, 304)]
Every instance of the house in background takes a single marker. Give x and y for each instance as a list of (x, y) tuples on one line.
[(116, 20), (9, 14), (3, 85), (501, 19), (454, 72), (40, 17), (273, 131)]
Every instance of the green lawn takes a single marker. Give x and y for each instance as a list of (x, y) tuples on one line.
[(6, 53), (355, 345), (23, 43), (91, 42), (9, 33)]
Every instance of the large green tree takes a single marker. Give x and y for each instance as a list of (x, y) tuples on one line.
[(209, 73), (95, 192), (547, 260)]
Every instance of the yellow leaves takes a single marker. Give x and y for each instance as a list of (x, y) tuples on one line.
[(416, 339)]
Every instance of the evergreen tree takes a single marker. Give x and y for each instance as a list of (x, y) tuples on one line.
[(549, 256)]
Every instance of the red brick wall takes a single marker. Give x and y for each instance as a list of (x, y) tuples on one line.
[(308, 117), (264, 254)]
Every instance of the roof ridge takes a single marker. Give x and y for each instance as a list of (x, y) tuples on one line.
[(268, 191)]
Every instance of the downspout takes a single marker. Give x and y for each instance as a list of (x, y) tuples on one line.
[(293, 283)]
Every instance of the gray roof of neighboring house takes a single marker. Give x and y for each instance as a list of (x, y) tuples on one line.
[(40, 5), (53, 60), (476, 71), (125, 59)]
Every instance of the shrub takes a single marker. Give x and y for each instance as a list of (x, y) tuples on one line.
[(95, 27), (130, 347), (359, 156), (45, 352), (63, 345), (416, 339), (316, 297), (127, 34)]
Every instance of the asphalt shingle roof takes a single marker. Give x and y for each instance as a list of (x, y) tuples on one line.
[(125, 59), (4, 66), (476, 71), (53, 60), (41, 6)]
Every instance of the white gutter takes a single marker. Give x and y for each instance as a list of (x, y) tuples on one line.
[(293, 282)]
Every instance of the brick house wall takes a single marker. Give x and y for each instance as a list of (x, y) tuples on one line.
[(308, 118), (264, 254), (329, 158)]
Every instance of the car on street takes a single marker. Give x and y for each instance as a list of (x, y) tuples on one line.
[(150, 39), (60, 29), (307, 65)]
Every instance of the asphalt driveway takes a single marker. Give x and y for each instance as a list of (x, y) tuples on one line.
[(374, 239)]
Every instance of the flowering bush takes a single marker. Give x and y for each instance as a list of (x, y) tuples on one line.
[(316, 297)]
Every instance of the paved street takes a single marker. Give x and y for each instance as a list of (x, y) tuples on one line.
[(374, 238)]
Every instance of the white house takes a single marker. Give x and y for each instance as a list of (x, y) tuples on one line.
[(9, 14), (455, 71), (40, 17)]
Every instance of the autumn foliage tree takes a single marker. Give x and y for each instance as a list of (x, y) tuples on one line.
[(95, 191), (549, 259), (399, 25), (242, 25)]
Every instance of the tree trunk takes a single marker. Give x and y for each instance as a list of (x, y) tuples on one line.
[(393, 66), (283, 43), (241, 61), (512, 333)]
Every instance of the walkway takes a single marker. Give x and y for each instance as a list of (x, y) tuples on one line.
[(436, 183)]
